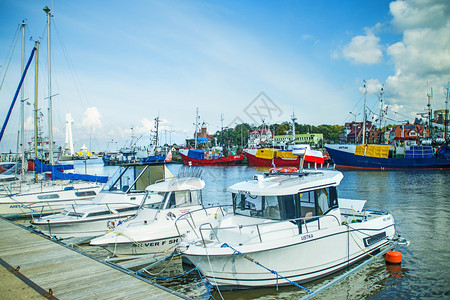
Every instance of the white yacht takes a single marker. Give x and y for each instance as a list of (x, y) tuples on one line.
[(23, 199), (120, 198), (293, 224), (153, 230)]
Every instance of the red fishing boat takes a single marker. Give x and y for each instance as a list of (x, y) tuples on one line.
[(198, 157)]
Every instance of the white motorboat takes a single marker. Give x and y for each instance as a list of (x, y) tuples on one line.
[(287, 228), (120, 198), (154, 230)]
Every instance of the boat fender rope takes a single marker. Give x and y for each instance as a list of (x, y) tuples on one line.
[(224, 245)]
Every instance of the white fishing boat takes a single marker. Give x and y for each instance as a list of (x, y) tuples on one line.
[(119, 199), (287, 228), (153, 230)]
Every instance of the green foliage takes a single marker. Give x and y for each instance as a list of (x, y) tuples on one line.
[(239, 135)]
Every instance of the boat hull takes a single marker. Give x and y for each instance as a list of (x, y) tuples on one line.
[(345, 159), (300, 259), (224, 160), (264, 162), (82, 229)]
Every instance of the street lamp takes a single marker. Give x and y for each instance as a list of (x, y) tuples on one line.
[(354, 124)]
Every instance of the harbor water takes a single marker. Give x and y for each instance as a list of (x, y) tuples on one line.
[(418, 200)]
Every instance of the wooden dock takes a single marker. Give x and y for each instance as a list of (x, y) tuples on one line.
[(46, 265)]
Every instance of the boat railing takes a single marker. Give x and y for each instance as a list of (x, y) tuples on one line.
[(304, 222), (190, 219)]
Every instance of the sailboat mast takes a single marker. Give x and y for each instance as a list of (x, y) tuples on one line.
[(446, 114), (429, 96), (50, 118), (36, 105), (197, 117), (22, 107), (364, 121), (157, 129)]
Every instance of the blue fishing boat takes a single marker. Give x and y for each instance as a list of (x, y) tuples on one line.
[(389, 157)]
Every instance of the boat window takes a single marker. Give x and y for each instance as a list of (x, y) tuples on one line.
[(247, 205), (287, 207), (307, 204), (154, 200), (271, 209), (179, 199), (74, 214), (85, 193), (196, 197), (48, 196), (322, 201), (132, 208), (99, 213)]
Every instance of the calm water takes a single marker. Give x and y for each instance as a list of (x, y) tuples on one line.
[(419, 201)]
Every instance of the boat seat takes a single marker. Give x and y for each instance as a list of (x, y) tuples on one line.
[(309, 215)]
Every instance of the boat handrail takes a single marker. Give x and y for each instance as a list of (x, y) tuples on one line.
[(184, 216), (298, 221)]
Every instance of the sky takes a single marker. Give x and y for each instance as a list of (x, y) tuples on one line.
[(116, 65)]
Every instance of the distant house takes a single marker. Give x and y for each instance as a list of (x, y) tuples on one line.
[(259, 137), (313, 139), (203, 138)]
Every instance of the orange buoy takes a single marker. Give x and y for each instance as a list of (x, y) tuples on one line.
[(393, 257)]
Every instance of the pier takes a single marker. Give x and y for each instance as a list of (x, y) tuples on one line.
[(57, 271)]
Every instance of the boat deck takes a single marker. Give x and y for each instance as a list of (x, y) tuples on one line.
[(48, 265)]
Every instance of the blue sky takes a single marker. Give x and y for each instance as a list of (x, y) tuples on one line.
[(117, 65)]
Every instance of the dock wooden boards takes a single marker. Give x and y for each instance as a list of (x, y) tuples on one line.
[(69, 274)]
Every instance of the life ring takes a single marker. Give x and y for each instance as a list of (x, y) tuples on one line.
[(283, 170), (287, 170)]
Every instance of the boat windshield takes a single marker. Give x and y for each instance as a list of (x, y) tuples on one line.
[(286, 207), (154, 200)]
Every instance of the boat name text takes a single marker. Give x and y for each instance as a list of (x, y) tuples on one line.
[(307, 237)]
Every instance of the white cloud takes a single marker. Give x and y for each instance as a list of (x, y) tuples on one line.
[(364, 49), (92, 119), (422, 58)]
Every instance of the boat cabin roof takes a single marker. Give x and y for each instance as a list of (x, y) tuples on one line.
[(177, 184), (289, 184)]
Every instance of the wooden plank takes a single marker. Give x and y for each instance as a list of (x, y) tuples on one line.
[(70, 274)]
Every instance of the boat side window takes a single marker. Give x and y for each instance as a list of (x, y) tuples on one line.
[(100, 213), (179, 199), (48, 196), (287, 205), (196, 197), (307, 204), (333, 196), (271, 208), (322, 201), (74, 214), (85, 193)]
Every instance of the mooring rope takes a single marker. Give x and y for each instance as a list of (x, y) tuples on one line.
[(270, 270), (208, 288)]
